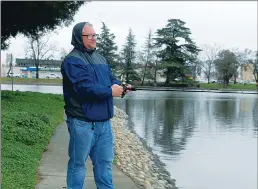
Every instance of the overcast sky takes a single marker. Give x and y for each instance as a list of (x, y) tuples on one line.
[(229, 24)]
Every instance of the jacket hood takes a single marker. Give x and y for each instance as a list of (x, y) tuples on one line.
[(77, 37)]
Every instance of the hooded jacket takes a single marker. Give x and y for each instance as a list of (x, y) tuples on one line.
[(87, 81)]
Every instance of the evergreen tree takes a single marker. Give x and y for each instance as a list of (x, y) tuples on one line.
[(106, 46), (177, 48), (148, 56), (129, 56)]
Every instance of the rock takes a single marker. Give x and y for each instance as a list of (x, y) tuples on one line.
[(148, 186), (135, 157)]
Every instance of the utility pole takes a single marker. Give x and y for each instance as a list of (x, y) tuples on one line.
[(12, 69)]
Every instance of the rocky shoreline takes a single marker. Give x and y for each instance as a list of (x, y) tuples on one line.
[(136, 159)]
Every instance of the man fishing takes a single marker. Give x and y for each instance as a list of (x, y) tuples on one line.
[(89, 87)]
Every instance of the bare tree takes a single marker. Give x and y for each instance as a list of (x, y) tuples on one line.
[(63, 54), (155, 67), (38, 48), (10, 61), (207, 57)]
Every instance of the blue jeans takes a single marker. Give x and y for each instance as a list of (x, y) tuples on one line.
[(96, 143)]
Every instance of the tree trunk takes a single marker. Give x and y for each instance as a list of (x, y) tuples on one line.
[(167, 76), (155, 75), (235, 79), (127, 77), (209, 76), (126, 72), (37, 70), (144, 73)]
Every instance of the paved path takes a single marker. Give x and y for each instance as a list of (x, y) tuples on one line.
[(53, 164)]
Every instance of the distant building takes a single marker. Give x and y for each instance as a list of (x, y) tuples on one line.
[(28, 67), (247, 72)]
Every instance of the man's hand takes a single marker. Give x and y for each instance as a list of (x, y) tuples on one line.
[(117, 90), (128, 86)]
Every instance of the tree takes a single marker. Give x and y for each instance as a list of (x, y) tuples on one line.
[(33, 17), (208, 54), (225, 65), (63, 54), (178, 48), (148, 55), (38, 48), (10, 61), (129, 56), (106, 46)]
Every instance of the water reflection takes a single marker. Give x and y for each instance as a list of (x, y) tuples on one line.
[(188, 130), (34, 88)]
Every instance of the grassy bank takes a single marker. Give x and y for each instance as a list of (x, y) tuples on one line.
[(28, 122), (6, 80), (231, 86)]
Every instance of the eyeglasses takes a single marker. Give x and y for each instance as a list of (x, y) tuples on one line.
[(94, 36)]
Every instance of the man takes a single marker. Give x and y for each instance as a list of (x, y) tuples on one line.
[(89, 88)]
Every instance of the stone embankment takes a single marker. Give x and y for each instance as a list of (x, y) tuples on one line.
[(136, 159)]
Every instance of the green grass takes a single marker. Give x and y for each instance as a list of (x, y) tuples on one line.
[(6, 80), (28, 122), (231, 86)]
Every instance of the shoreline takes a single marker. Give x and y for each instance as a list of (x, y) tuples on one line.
[(136, 159), (151, 88)]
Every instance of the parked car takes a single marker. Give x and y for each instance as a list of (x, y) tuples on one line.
[(13, 75), (252, 82), (52, 75)]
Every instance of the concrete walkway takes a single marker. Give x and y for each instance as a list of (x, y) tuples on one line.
[(53, 164)]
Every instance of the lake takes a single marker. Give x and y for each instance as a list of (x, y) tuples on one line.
[(206, 140)]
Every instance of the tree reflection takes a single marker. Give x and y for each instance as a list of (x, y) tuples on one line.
[(178, 125), (168, 120), (255, 117), (224, 111)]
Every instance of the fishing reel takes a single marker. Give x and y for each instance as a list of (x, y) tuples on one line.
[(126, 88)]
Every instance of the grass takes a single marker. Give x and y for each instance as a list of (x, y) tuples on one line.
[(28, 122), (231, 86)]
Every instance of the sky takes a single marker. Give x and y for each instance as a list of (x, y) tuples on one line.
[(230, 24)]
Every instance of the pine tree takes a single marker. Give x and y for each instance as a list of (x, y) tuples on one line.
[(106, 46), (148, 56), (174, 55), (129, 56)]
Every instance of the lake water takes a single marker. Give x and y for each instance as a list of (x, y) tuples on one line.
[(206, 140)]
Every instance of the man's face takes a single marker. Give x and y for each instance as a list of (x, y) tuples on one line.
[(89, 37)]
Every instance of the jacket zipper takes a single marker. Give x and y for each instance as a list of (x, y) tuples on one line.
[(91, 63)]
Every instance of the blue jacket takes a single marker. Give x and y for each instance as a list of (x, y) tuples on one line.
[(87, 81)]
